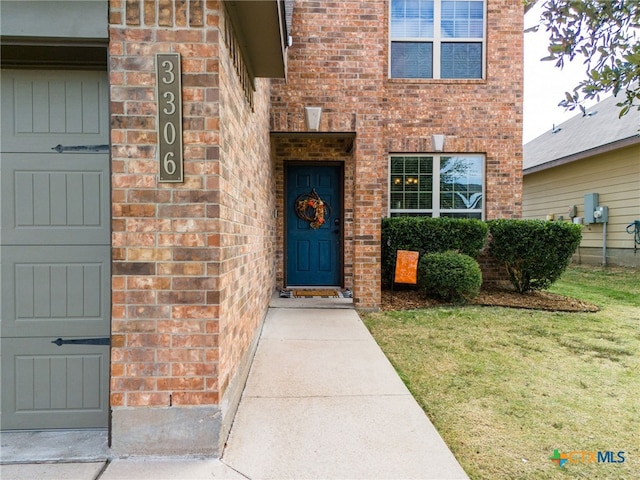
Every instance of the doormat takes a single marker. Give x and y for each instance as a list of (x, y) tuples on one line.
[(310, 293), (327, 293)]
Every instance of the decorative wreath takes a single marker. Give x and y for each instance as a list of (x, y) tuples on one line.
[(310, 207)]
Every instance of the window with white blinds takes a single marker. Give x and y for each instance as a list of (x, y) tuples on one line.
[(437, 39), (436, 185)]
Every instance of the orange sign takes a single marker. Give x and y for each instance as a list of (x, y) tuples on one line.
[(406, 267)]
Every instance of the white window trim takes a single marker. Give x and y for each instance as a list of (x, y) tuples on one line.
[(435, 211), (437, 42)]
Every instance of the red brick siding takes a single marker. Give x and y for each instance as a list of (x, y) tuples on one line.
[(493, 272), (246, 267), (339, 61), (183, 307)]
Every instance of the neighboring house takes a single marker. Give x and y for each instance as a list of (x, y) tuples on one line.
[(597, 152), (107, 235)]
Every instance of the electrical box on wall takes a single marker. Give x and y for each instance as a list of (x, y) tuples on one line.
[(601, 214), (591, 201)]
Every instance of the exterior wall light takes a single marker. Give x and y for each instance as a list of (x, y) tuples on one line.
[(312, 117), (437, 142)]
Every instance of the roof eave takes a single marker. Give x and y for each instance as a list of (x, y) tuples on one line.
[(262, 31), (609, 147)]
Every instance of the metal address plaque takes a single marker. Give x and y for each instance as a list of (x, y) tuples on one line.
[(169, 117)]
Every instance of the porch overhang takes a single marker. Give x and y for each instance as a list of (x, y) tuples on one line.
[(347, 138), (313, 134), (262, 33)]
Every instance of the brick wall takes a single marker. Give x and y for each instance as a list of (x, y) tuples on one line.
[(339, 61), (494, 274), (334, 62), (192, 262), (247, 232)]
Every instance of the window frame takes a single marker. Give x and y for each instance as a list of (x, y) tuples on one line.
[(435, 211), (437, 41)]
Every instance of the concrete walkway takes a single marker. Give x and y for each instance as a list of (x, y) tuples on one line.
[(321, 402)]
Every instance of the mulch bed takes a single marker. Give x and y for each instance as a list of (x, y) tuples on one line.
[(494, 297)]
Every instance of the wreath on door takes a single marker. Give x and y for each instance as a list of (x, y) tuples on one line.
[(310, 207)]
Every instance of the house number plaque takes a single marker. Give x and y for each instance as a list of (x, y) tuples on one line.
[(169, 117)]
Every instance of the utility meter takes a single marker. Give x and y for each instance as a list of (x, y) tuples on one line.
[(601, 214)]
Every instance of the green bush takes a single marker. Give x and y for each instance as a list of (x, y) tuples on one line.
[(451, 276), (534, 252), (429, 235)]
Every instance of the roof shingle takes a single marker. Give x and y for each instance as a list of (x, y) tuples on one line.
[(579, 135)]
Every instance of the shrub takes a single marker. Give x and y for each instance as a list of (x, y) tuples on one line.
[(534, 252), (451, 276), (429, 235)]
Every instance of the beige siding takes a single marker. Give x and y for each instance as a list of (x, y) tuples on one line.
[(614, 176)]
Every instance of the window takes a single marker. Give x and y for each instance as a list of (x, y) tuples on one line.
[(436, 185), (437, 39)]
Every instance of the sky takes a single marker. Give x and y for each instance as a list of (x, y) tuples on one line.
[(544, 83)]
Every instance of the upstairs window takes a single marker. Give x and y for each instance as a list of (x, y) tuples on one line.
[(437, 39)]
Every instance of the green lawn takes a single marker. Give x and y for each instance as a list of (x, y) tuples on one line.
[(505, 387)]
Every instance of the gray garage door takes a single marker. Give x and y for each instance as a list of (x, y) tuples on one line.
[(54, 250)]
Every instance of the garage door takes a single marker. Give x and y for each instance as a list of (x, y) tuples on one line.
[(54, 250)]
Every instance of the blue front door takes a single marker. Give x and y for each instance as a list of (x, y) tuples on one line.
[(313, 254)]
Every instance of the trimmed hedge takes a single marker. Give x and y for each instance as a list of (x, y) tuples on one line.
[(429, 235), (451, 276), (534, 252)]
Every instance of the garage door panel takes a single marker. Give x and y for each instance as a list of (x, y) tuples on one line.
[(53, 108), (55, 199), (55, 291), (52, 385), (55, 249)]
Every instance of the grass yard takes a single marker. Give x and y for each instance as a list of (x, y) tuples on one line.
[(505, 387)]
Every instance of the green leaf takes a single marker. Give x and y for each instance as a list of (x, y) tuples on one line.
[(624, 111)]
